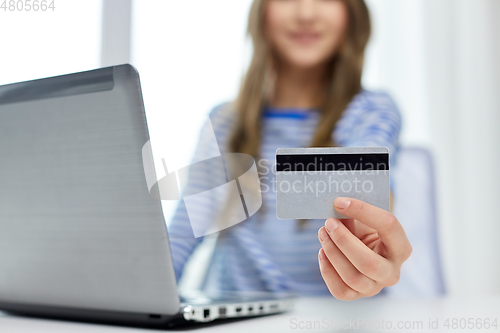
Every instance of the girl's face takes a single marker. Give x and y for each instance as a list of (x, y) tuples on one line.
[(305, 33)]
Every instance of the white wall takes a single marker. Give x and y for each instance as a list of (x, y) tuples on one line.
[(462, 57), (40, 44), (395, 63), (439, 60)]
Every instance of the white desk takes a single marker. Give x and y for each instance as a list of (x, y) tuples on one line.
[(318, 315)]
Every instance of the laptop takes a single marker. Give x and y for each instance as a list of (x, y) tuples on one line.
[(80, 235)]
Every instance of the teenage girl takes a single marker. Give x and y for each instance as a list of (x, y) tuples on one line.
[(302, 89)]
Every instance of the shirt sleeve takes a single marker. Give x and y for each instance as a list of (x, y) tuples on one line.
[(373, 119), (199, 180)]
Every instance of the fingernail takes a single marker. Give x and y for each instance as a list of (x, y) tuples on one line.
[(323, 236), (321, 255), (342, 203), (331, 224)]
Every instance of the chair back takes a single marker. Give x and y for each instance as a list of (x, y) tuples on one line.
[(415, 207)]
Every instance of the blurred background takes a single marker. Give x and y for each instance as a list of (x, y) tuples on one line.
[(438, 59)]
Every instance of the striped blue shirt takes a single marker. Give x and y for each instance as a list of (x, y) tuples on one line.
[(264, 253)]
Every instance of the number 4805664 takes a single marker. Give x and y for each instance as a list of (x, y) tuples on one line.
[(27, 5), (471, 323)]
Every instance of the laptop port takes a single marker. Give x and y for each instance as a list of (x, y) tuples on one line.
[(273, 306), (261, 308), (238, 309), (222, 311), (250, 308), (206, 313)]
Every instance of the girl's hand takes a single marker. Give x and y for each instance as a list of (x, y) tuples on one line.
[(362, 255)]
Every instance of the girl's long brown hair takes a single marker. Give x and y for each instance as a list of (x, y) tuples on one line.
[(345, 82), (345, 72)]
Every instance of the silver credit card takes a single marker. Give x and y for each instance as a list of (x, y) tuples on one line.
[(309, 179)]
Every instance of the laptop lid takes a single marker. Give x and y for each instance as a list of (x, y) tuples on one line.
[(78, 227)]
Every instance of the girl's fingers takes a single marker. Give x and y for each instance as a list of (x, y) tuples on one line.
[(359, 229), (363, 258), (345, 269), (389, 229), (337, 287)]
